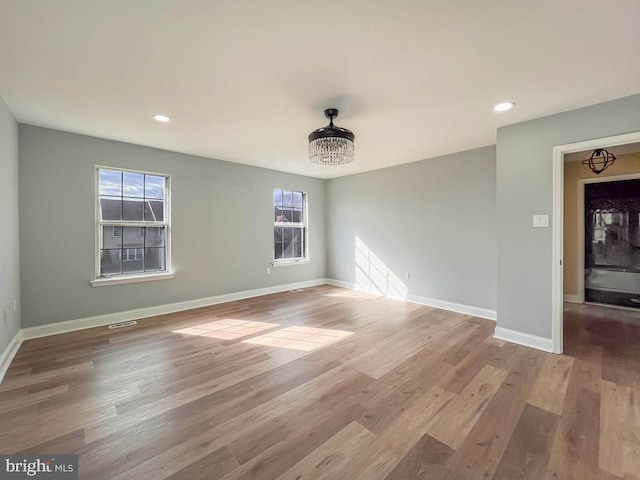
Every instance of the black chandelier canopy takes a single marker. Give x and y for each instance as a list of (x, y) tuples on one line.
[(331, 145), (599, 160)]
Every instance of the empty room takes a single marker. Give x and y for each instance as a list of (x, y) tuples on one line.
[(319, 240)]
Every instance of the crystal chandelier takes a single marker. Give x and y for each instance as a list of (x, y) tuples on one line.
[(599, 160), (331, 145)]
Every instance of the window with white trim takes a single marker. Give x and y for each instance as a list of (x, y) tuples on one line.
[(132, 223), (290, 226)]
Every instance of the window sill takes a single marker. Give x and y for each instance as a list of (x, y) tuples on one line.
[(122, 279), (291, 263)]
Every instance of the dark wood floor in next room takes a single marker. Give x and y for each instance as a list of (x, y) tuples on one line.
[(329, 383)]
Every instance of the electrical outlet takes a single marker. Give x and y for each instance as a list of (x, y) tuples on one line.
[(268, 270), (540, 221), (387, 273)]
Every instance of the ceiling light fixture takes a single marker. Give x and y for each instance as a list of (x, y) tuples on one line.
[(161, 118), (331, 145), (503, 107), (599, 160)]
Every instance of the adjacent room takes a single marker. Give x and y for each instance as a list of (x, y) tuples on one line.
[(302, 240)]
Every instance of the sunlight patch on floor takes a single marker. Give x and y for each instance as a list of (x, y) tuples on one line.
[(227, 329), (295, 337), (300, 338)]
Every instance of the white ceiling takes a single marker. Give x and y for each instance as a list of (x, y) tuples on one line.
[(247, 81)]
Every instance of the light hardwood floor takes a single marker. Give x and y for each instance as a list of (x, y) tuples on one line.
[(329, 383)]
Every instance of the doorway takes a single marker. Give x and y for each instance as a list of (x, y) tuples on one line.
[(568, 157), (611, 261)]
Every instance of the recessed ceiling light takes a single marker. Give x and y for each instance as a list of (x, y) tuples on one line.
[(503, 107), (161, 118)]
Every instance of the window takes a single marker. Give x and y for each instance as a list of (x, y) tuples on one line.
[(290, 226), (132, 223), (132, 254)]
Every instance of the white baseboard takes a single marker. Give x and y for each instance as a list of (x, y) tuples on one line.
[(454, 307), (340, 283), (102, 320), (525, 339), (430, 302), (7, 356), (571, 298)]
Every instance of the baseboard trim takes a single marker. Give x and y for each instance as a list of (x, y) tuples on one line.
[(454, 307), (102, 320), (571, 298), (7, 356), (341, 284), (533, 341), (430, 302)]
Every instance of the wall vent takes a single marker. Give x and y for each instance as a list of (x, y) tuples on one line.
[(122, 324)]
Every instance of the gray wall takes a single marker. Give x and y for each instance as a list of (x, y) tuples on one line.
[(524, 188), (434, 218), (9, 250), (222, 226)]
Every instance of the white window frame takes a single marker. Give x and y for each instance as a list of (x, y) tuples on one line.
[(99, 223), (304, 225)]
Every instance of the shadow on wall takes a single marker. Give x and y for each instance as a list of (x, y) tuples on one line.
[(374, 276)]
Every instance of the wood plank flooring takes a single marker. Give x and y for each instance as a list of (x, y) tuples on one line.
[(330, 384)]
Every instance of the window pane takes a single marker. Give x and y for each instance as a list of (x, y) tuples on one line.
[(132, 260), (283, 215), (110, 208), (297, 234), (111, 237), (154, 211), (287, 198), (277, 234), (278, 251), (155, 237), (297, 200), (277, 198), (132, 209), (109, 182), (153, 186), (131, 238), (133, 184), (287, 233), (289, 215), (297, 250), (154, 259), (287, 250), (110, 262), (296, 216)]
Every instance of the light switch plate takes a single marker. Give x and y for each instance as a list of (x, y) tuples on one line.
[(541, 220)]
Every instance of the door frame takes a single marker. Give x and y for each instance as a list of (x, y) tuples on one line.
[(557, 294)]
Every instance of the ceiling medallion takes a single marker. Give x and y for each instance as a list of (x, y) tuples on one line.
[(331, 145)]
